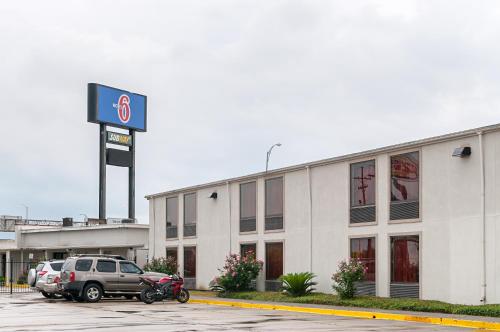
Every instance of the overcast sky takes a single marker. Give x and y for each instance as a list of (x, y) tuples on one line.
[(227, 79)]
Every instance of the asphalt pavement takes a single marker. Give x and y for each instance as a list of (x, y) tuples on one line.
[(32, 312)]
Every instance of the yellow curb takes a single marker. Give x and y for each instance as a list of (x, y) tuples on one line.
[(359, 314)]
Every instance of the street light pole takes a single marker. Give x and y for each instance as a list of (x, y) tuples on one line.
[(269, 154)]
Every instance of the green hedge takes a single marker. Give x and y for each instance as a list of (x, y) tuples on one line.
[(490, 310)]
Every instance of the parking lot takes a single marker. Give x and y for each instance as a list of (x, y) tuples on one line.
[(32, 312)]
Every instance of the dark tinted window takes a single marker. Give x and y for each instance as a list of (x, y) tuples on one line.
[(56, 266), (274, 197), (404, 177), (405, 259), (274, 260), (248, 250), (172, 211), (106, 266), (127, 267), (83, 265), (248, 200), (190, 209), (364, 250), (363, 183), (172, 252), (190, 262)]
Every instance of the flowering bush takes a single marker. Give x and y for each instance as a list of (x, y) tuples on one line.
[(166, 265), (237, 273), (347, 274)]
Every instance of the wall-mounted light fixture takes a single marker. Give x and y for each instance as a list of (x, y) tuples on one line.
[(462, 152), (213, 195)]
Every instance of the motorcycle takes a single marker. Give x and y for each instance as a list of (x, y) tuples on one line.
[(167, 288)]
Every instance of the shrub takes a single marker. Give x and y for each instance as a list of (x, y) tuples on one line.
[(166, 265), (237, 273), (298, 284), (22, 280), (347, 274), (2, 280)]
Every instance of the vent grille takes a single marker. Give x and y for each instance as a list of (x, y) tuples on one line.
[(248, 225), (190, 283), (366, 288), (273, 285), (273, 223), (190, 230), (172, 232), (406, 210), (405, 290), (363, 214)]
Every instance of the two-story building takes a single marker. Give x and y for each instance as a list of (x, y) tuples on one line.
[(424, 216)]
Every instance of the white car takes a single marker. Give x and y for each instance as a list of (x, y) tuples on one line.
[(45, 277)]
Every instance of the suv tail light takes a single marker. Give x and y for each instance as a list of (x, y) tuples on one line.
[(42, 273), (72, 276)]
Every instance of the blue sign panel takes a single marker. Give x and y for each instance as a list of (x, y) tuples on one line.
[(116, 107)]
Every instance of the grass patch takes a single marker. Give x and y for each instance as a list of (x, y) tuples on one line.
[(489, 310)]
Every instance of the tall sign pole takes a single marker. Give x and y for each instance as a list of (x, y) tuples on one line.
[(102, 171), (131, 178), (113, 107)]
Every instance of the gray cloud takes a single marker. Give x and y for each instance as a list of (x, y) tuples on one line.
[(225, 80)]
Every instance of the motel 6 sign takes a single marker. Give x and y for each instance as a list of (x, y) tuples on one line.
[(113, 107), (117, 108)]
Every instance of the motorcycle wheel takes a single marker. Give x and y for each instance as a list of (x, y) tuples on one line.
[(148, 295), (183, 295)]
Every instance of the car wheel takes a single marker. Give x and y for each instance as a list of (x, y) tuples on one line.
[(56, 295), (92, 293), (45, 294), (183, 295)]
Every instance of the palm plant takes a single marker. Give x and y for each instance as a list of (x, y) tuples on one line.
[(298, 284)]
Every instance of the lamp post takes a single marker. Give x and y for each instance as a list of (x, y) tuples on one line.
[(269, 154), (27, 208)]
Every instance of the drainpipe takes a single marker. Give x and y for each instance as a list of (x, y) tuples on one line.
[(483, 218), (229, 211), (310, 218)]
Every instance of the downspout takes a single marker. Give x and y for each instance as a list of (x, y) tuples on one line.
[(154, 231), (310, 219), (229, 211), (483, 218)]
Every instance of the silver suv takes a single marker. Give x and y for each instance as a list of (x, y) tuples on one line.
[(90, 277)]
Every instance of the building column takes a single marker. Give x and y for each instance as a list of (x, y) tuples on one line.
[(46, 254), (7, 266), (22, 262), (100, 251)]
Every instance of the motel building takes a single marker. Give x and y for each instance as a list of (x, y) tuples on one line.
[(424, 216)]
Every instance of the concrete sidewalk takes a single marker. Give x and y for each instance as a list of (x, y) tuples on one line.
[(479, 322)]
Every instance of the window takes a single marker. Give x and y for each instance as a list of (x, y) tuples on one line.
[(83, 265), (106, 266), (248, 207), (58, 255), (363, 192), (190, 214), (172, 217), (274, 260), (364, 250), (248, 249), (405, 186), (405, 259), (190, 262), (56, 266), (127, 267), (172, 252), (274, 204)]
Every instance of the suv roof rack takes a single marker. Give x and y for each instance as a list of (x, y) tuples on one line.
[(118, 257)]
